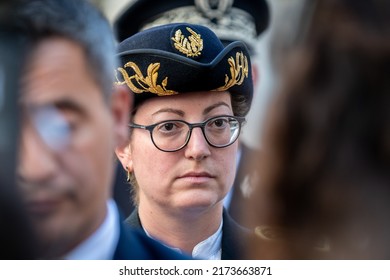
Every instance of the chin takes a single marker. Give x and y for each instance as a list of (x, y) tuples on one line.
[(198, 201)]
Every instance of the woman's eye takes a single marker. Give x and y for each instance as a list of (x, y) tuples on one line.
[(221, 122), (168, 126)]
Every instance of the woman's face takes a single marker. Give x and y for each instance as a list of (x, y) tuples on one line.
[(195, 177)]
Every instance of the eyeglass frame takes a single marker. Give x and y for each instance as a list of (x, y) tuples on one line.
[(201, 125)]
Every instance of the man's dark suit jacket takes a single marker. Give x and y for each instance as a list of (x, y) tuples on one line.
[(233, 235), (133, 244)]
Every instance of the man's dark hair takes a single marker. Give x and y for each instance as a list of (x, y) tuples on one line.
[(77, 21)]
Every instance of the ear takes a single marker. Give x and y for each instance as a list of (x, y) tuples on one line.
[(124, 155), (121, 106)]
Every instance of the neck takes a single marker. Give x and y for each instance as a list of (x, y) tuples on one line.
[(181, 229)]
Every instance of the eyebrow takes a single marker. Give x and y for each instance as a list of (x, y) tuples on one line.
[(182, 113), (70, 105), (169, 110), (62, 104), (212, 107)]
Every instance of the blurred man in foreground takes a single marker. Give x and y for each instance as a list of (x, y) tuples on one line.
[(72, 120)]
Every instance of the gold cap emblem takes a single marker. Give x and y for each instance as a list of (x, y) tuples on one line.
[(191, 46)]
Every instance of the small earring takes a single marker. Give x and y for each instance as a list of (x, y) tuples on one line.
[(128, 175)]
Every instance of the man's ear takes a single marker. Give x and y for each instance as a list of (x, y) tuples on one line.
[(121, 106)]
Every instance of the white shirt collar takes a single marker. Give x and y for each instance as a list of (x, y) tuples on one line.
[(102, 243), (208, 249)]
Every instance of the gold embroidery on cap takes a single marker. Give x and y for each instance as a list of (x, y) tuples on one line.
[(238, 71), (192, 46), (144, 84)]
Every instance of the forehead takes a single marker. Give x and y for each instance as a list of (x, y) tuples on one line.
[(56, 69), (193, 102)]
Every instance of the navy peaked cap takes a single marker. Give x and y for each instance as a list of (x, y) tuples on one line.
[(178, 58)]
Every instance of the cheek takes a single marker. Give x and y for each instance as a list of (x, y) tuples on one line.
[(227, 163), (150, 165), (92, 162)]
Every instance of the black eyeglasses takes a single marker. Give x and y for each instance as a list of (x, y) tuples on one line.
[(173, 135)]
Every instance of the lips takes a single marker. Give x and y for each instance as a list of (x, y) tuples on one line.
[(197, 177)]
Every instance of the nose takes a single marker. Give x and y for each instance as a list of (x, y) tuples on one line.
[(197, 147), (37, 162)]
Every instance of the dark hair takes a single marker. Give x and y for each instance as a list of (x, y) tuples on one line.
[(326, 155), (239, 105), (77, 21)]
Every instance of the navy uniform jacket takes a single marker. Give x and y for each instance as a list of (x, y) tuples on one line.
[(136, 245), (233, 235)]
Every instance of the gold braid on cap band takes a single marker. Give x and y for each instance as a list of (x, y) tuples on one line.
[(139, 84), (144, 84), (238, 71)]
